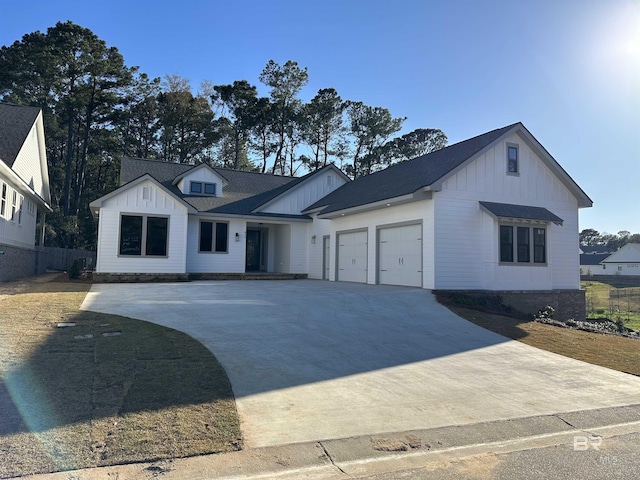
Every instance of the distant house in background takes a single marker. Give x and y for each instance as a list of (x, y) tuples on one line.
[(626, 261), (24, 191), (591, 257)]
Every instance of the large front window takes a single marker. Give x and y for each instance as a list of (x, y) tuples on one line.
[(523, 245), (142, 235)]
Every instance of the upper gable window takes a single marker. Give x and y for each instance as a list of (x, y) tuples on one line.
[(513, 158), (202, 188)]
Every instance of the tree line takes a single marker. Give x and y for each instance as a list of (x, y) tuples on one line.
[(611, 242), (97, 110)]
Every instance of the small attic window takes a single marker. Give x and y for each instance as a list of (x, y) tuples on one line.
[(512, 159), (146, 193), (202, 188), (329, 180)]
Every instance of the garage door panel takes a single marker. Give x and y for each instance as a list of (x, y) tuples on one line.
[(352, 257), (400, 255)]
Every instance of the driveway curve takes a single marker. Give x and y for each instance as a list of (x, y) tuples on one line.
[(312, 360)]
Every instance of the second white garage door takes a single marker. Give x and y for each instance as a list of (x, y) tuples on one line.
[(352, 257), (400, 255)]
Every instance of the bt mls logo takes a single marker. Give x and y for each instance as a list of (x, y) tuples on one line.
[(583, 443)]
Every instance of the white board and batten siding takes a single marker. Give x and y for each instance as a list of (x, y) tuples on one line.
[(467, 238), (144, 198), (306, 193)]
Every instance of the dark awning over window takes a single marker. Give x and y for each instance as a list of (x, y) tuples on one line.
[(505, 211)]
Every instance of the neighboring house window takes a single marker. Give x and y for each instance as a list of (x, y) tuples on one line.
[(512, 159), (14, 206), (202, 188), (214, 237), (20, 207), (3, 200), (619, 268), (529, 246), (142, 235)]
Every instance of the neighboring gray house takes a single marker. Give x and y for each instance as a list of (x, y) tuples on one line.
[(492, 213), (24, 190)]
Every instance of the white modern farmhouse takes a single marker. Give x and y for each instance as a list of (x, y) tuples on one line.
[(24, 190), (492, 213)]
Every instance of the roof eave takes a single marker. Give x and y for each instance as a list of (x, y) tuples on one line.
[(385, 203)]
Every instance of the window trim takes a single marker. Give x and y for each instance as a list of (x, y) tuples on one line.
[(515, 244), (143, 239), (213, 237), (515, 146)]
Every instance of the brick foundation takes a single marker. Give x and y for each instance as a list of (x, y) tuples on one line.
[(567, 303), (187, 277)]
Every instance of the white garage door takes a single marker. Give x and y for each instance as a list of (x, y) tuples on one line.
[(352, 257), (400, 255)]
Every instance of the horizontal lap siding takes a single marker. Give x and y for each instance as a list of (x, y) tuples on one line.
[(320, 228), (27, 164), (231, 262), (411, 213), (11, 233), (466, 238), (130, 201)]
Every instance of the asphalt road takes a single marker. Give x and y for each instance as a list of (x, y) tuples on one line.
[(616, 458)]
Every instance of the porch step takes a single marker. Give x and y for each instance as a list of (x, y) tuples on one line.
[(247, 276)]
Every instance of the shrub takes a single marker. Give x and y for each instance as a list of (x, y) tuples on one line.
[(74, 270)]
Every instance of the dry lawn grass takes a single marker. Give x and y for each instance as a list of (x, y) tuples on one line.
[(144, 394), (617, 353)]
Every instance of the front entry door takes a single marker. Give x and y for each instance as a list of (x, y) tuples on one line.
[(254, 250)]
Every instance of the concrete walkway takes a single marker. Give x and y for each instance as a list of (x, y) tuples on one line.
[(311, 360)]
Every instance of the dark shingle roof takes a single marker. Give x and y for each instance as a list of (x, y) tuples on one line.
[(15, 124), (407, 177), (525, 212), (593, 258), (242, 193)]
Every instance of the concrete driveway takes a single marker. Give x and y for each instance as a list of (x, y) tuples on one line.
[(311, 360)]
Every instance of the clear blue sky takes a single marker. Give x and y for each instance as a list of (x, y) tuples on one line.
[(568, 69)]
